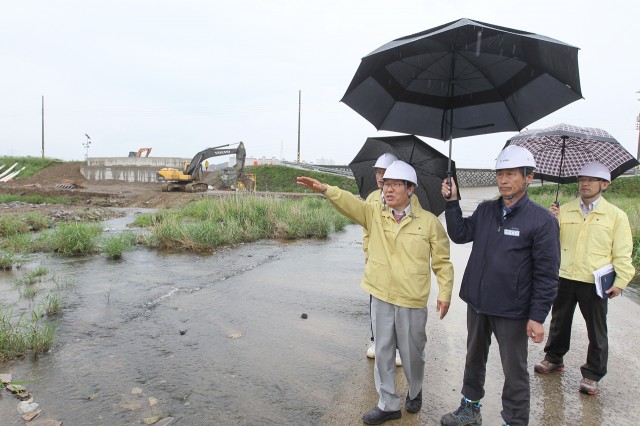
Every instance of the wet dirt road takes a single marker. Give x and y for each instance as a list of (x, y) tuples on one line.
[(246, 355)]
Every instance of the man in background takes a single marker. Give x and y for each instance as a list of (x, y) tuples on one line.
[(593, 234)]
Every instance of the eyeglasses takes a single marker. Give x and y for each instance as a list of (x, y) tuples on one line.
[(588, 180), (394, 185)]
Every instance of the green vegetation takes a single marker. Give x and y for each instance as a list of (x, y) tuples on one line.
[(623, 193), (21, 224), (53, 303), (31, 332), (114, 246), (283, 179), (210, 223), (12, 225), (34, 199), (8, 259), (32, 165), (74, 238)]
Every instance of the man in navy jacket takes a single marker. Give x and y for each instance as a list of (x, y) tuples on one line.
[(509, 284)]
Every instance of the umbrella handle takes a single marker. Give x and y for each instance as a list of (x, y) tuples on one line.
[(449, 174)]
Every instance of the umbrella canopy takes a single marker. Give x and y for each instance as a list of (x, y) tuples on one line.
[(560, 151), (429, 163), (462, 79)]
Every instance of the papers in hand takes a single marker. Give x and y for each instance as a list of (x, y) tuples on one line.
[(604, 278)]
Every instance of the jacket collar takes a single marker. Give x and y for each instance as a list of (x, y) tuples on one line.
[(499, 203)]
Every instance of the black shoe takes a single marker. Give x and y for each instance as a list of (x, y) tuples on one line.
[(413, 405), (376, 416)]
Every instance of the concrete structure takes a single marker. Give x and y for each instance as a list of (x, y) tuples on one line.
[(129, 169), (144, 169)]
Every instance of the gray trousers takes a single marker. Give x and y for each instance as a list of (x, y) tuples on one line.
[(511, 335), (404, 328)]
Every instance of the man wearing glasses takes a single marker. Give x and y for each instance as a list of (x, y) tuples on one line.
[(406, 242), (593, 234)]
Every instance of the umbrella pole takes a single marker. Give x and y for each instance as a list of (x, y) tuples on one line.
[(564, 145), (450, 95)]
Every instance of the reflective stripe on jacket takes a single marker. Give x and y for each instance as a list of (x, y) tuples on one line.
[(590, 243), (401, 256)]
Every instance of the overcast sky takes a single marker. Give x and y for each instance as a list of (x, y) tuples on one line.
[(181, 76)]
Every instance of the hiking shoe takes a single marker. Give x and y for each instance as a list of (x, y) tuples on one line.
[(413, 405), (468, 414), (371, 352), (376, 416), (398, 360), (588, 386), (545, 367)]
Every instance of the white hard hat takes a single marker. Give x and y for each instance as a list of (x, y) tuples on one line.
[(385, 161), (515, 156), (596, 170), (401, 170)]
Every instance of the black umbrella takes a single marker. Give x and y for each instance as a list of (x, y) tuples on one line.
[(429, 163), (462, 79), (560, 151)]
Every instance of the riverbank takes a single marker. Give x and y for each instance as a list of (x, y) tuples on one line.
[(122, 356)]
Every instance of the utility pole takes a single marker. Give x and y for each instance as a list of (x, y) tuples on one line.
[(86, 145), (638, 128), (299, 108), (43, 126)]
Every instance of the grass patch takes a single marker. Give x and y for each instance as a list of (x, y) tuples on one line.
[(283, 179), (37, 221), (35, 199), (32, 165), (210, 223), (74, 238), (25, 334), (114, 246), (8, 260), (144, 220), (12, 225), (32, 332), (53, 303)]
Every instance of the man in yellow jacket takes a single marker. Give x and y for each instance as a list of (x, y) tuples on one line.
[(377, 197), (593, 233), (406, 242)]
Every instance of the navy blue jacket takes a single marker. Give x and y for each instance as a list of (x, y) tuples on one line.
[(513, 268)]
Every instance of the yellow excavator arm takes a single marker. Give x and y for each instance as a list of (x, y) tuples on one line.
[(189, 179)]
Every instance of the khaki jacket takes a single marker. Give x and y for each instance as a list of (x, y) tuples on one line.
[(587, 244), (374, 198), (401, 256)]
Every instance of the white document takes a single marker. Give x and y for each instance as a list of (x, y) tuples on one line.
[(604, 278)]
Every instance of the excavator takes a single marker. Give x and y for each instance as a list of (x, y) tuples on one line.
[(190, 179), (141, 151)]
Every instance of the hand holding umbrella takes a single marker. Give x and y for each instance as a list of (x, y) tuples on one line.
[(449, 189)]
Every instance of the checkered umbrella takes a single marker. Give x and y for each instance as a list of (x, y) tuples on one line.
[(560, 151)]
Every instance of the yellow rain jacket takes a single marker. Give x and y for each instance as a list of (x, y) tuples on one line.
[(587, 244), (401, 256)]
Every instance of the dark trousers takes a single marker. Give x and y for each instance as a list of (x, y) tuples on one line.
[(511, 335), (594, 312)]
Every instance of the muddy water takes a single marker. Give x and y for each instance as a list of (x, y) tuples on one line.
[(247, 356)]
